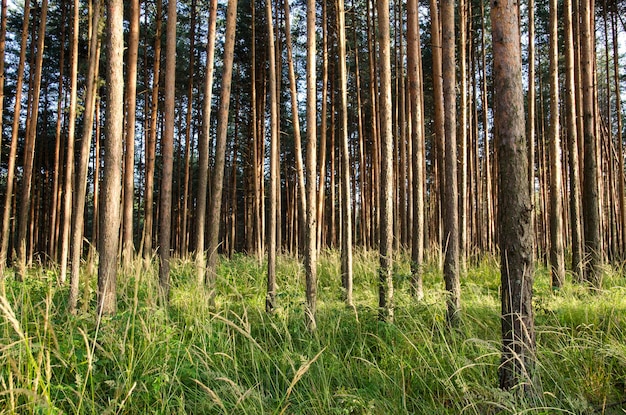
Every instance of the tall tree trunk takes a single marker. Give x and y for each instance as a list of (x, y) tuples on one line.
[(462, 136), (203, 145), (557, 256), (321, 193), (620, 145), (184, 246), (78, 211), (6, 217), (270, 299), (417, 138), (112, 177), (530, 134), (217, 185), (450, 196), (346, 198), (69, 159), (310, 246), (152, 137), (572, 143), (385, 290), (591, 199), (518, 335), (167, 155), (29, 147), (129, 159)]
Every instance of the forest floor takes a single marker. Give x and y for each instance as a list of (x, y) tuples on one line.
[(188, 359)]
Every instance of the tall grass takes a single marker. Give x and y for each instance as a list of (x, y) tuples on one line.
[(236, 359)]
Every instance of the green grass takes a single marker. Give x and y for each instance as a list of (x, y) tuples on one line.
[(188, 359)]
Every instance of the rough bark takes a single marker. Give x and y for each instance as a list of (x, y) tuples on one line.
[(518, 338), (112, 178)]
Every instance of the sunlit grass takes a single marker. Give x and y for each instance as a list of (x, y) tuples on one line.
[(236, 359)]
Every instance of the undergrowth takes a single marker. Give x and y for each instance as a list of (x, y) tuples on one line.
[(236, 359)]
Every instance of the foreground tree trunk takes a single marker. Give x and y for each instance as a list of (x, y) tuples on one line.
[(518, 334), (385, 291), (112, 179), (167, 154)]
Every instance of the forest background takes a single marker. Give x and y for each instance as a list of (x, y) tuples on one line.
[(453, 138)]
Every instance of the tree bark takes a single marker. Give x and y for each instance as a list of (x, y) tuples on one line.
[(451, 196), (78, 211), (112, 177), (29, 147), (518, 338), (557, 256), (129, 137), (385, 290), (346, 197), (203, 145), (215, 207), (6, 217)]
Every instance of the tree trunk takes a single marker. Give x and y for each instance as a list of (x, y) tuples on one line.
[(203, 145), (451, 196), (518, 338), (69, 160), (417, 138), (6, 217), (557, 256), (78, 212), (129, 160), (152, 137), (29, 147), (346, 198), (167, 155), (385, 290), (112, 177), (310, 246), (572, 143), (215, 207), (591, 202), (270, 299)]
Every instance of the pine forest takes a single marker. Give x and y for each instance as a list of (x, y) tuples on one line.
[(312, 207)]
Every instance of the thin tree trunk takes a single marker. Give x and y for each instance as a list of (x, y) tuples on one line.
[(167, 155), (451, 196), (112, 178), (557, 256), (6, 218), (270, 299), (152, 137), (572, 142), (78, 212), (29, 147), (417, 138), (203, 145), (310, 246), (129, 159), (215, 207), (462, 136), (591, 199), (385, 290), (69, 160), (346, 199)]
